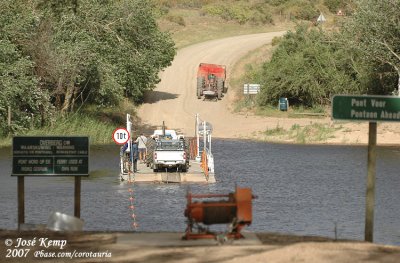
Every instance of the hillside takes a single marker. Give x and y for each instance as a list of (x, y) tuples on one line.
[(174, 99)]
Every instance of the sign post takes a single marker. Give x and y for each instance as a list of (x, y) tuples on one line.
[(370, 195), (372, 109), (49, 156), (251, 89), (21, 200)]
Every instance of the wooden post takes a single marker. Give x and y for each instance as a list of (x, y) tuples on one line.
[(370, 197), (197, 138), (21, 201), (77, 206), (9, 117)]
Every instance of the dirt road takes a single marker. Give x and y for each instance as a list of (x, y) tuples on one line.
[(174, 100)]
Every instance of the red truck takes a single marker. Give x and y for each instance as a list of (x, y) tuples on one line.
[(211, 80)]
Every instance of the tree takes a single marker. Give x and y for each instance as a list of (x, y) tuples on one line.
[(57, 54), (308, 67), (102, 49), (374, 31), (19, 87)]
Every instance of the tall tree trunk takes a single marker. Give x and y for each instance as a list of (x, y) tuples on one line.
[(398, 84), (58, 92), (398, 79), (68, 98), (42, 116), (74, 96)]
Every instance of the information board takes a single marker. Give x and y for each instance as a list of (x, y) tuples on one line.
[(50, 156), (251, 88), (366, 108)]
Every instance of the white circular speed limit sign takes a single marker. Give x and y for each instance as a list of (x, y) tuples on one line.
[(121, 136)]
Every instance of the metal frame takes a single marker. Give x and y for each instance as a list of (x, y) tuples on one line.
[(203, 233)]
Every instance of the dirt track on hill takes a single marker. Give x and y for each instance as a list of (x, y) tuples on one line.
[(174, 100)]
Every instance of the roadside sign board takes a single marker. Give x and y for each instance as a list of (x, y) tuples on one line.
[(50, 156), (120, 136), (369, 108), (251, 88), (321, 18), (366, 108)]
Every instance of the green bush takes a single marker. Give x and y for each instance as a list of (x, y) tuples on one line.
[(276, 40), (335, 5), (276, 2), (301, 9), (307, 68), (183, 3), (241, 12)]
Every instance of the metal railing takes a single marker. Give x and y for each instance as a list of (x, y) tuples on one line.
[(204, 164)]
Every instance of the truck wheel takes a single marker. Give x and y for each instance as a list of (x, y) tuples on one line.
[(200, 85), (220, 88), (198, 93), (184, 168), (187, 148), (225, 89)]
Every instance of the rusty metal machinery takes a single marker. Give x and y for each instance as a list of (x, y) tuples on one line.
[(234, 209)]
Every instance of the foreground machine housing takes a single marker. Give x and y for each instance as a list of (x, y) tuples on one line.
[(235, 210), (211, 80)]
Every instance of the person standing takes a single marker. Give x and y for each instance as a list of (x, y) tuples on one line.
[(125, 157), (142, 140), (135, 156)]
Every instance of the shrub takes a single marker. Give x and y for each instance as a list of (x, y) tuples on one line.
[(302, 9), (334, 5), (241, 12), (307, 68)]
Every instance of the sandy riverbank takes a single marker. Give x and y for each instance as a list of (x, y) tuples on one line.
[(345, 133), (168, 247)]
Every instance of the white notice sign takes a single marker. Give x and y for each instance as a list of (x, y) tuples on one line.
[(251, 88)]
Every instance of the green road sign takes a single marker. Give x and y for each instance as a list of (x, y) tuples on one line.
[(50, 156), (366, 108)]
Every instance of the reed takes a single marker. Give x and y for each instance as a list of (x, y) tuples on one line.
[(99, 131)]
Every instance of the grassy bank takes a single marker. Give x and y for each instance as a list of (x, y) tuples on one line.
[(312, 133), (74, 125), (97, 123), (190, 26)]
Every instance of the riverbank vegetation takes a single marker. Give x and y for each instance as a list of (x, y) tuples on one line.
[(312, 63), (56, 57), (311, 133), (82, 58)]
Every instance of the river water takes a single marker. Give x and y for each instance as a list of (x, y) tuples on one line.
[(301, 189)]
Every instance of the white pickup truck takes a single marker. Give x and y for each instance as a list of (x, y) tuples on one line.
[(170, 153)]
